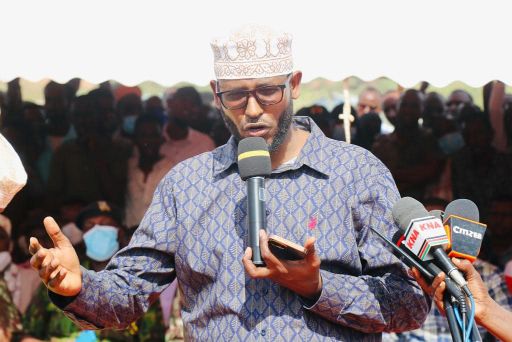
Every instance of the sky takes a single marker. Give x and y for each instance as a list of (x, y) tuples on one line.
[(168, 41)]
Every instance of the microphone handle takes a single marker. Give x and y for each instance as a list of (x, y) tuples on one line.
[(451, 286), (447, 266), (256, 215)]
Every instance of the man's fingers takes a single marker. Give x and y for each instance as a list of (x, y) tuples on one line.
[(463, 265), (310, 244), (58, 278), (270, 259), (55, 272), (53, 230), (439, 292), (38, 258), (419, 279), (310, 247), (50, 268), (438, 280), (34, 246), (251, 269)]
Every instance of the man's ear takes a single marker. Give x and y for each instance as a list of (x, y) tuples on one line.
[(295, 84), (213, 85)]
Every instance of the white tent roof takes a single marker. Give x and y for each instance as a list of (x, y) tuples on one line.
[(168, 41)]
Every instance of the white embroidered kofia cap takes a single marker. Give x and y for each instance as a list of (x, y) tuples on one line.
[(252, 52), (12, 174)]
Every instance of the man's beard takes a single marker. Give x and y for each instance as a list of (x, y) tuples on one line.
[(283, 126)]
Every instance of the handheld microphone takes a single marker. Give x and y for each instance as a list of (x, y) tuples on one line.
[(254, 165), (425, 235), (427, 269), (464, 231)]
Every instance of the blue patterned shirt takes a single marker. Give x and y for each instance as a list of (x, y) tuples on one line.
[(196, 230)]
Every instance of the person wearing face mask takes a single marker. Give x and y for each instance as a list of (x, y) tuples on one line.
[(128, 108), (103, 236), (100, 223)]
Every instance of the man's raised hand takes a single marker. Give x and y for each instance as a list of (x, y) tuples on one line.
[(58, 267)]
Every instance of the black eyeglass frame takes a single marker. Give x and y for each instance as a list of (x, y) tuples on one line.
[(253, 93)]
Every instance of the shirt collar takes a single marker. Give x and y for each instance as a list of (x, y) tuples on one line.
[(315, 153)]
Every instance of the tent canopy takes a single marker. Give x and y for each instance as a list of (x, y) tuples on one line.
[(168, 41)]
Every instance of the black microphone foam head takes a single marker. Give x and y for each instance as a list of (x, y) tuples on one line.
[(464, 208), (253, 158), (407, 209)]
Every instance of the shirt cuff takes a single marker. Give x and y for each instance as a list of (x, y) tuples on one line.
[(75, 306), (329, 299), (63, 301), (309, 302)]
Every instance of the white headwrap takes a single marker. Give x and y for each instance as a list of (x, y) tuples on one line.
[(12, 174)]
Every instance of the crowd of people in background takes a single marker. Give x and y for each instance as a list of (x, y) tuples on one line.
[(93, 162)]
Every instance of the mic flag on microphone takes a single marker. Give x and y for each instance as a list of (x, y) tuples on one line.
[(463, 229), (422, 230), (253, 158)]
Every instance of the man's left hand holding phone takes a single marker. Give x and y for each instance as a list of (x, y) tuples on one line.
[(300, 276)]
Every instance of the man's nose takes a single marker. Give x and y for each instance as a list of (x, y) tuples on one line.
[(253, 108)]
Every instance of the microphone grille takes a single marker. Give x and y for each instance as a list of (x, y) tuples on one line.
[(253, 158), (437, 213), (464, 208), (407, 209)]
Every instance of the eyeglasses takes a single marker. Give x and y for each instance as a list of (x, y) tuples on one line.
[(265, 95)]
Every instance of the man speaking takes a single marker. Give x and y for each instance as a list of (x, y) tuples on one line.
[(321, 193)]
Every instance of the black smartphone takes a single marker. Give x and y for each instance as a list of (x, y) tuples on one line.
[(286, 249)]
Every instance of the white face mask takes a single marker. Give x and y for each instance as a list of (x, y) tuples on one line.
[(5, 260)]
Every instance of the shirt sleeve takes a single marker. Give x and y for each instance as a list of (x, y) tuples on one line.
[(383, 297), (134, 277)]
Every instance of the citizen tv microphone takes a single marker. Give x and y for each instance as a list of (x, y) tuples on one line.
[(424, 236), (254, 165), (465, 233)]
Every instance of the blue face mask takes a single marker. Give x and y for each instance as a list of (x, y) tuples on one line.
[(129, 124), (451, 143), (101, 242)]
